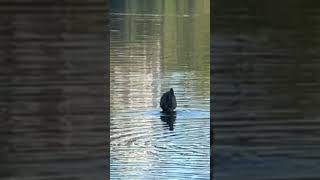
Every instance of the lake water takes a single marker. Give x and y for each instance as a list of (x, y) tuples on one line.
[(265, 69), (53, 104), (156, 46)]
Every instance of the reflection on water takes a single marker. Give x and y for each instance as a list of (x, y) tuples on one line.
[(265, 57), (156, 46), (169, 119)]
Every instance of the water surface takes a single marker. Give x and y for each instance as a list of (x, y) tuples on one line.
[(53, 107), (153, 49), (265, 67)]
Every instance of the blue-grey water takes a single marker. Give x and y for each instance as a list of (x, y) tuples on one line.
[(166, 45)]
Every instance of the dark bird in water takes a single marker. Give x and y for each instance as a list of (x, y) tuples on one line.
[(168, 101)]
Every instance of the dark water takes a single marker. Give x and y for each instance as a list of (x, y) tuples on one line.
[(265, 69), (53, 107), (152, 49)]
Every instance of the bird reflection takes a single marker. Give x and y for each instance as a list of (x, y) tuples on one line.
[(169, 119)]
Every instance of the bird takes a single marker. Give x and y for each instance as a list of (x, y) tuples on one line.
[(168, 101)]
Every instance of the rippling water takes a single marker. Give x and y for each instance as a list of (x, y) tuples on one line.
[(265, 67), (152, 51), (53, 107)]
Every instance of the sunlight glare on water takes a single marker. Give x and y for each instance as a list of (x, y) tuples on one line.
[(156, 46)]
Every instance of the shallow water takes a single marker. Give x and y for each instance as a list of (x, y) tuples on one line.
[(152, 51)]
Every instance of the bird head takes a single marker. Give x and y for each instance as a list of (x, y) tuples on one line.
[(171, 91)]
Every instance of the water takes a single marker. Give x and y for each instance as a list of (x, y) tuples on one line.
[(153, 49), (265, 69), (53, 107)]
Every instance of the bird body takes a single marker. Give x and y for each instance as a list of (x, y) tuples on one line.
[(168, 101)]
